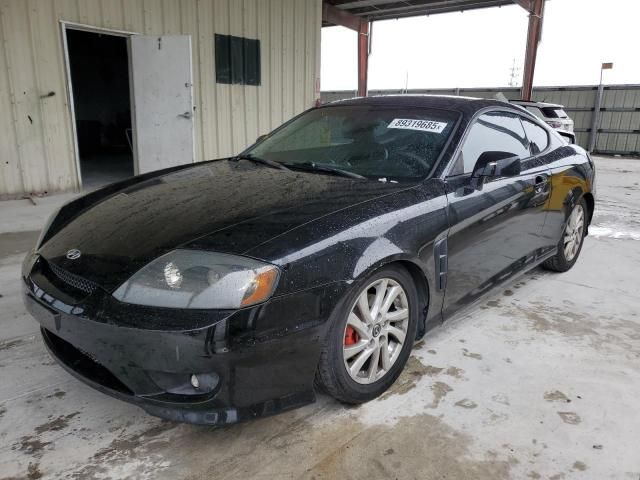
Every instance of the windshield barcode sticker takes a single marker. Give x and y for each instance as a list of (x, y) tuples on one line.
[(413, 124)]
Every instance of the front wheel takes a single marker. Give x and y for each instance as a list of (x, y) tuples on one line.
[(371, 337), (570, 244)]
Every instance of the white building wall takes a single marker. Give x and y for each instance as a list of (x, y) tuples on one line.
[(36, 142)]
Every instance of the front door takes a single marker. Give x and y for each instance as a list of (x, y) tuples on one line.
[(496, 229), (162, 95)]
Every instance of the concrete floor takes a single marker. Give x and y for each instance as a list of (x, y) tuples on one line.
[(101, 169), (540, 381)]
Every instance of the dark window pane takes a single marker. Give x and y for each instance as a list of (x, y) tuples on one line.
[(554, 112), (252, 62), (237, 60), (537, 136), (223, 58), (497, 132)]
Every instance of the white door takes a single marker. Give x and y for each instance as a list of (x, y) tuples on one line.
[(162, 97)]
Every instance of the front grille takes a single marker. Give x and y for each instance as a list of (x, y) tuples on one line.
[(71, 279)]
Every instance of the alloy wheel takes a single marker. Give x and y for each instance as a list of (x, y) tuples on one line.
[(376, 330), (573, 233)]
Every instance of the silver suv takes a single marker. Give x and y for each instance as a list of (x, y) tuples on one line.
[(553, 114)]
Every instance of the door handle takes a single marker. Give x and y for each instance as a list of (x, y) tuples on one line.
[(187, 115)]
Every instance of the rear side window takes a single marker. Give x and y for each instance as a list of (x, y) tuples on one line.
[(538, 138), (554, 112), (494, 131)]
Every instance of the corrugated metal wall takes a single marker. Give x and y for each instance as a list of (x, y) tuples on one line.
[(36, 143), (619, 126)]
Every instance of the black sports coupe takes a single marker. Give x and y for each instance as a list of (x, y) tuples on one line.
[(230, 289)]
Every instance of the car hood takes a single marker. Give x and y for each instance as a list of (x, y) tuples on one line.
[(222, 206)]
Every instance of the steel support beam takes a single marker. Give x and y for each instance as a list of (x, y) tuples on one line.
[(536, 13), (331, 14), (363, 58)]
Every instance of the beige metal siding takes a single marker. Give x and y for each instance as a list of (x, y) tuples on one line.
[(36, 142)]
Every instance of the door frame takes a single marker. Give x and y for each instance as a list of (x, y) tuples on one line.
[(64, 26)]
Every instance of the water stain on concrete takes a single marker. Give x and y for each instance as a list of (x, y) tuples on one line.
[(508, 293), (33, 473), (469, 354), (56, 424), (11, 344), (556, 396), (30, 445), (138, 454), (466, 403), (440, 390), (414, 459), (578, 465), (572, 418), (57, 394), (501, 398), (127, 444), (421, 446), (432, 371), (454, 372), (413, 371), (493, 303)]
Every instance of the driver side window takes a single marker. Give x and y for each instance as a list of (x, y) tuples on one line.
[(493, 131)]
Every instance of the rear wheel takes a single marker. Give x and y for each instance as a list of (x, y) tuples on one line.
[(570, 244), (371, 337)]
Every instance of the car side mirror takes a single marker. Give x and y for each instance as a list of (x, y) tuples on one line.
[(261, 137), (495, 164)]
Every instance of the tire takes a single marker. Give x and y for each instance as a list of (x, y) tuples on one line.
[(382, 334), (567, 257)]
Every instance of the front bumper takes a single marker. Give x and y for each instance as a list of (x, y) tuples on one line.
[(252, 362)]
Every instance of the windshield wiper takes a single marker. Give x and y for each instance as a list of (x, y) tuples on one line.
[(321, 167), (263, 161)]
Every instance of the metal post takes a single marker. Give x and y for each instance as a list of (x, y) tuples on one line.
[(595, 118), (337, 16), (363, 58), (533, 38)]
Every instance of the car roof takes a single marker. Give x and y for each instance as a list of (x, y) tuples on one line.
[(466, 105)]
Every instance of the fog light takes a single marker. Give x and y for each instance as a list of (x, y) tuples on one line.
[(195, 383)]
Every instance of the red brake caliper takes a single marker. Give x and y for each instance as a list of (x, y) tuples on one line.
[(351, 337)]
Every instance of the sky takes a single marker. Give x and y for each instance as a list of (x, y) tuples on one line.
[(477, 48)]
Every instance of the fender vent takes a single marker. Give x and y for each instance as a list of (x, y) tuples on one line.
[(440, 252)]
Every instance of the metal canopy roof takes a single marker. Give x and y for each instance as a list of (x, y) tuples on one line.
[(388, 9)]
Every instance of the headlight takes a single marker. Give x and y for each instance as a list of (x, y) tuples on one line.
[(195, 279)]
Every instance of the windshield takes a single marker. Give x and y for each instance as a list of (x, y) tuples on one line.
[(375, 142)]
